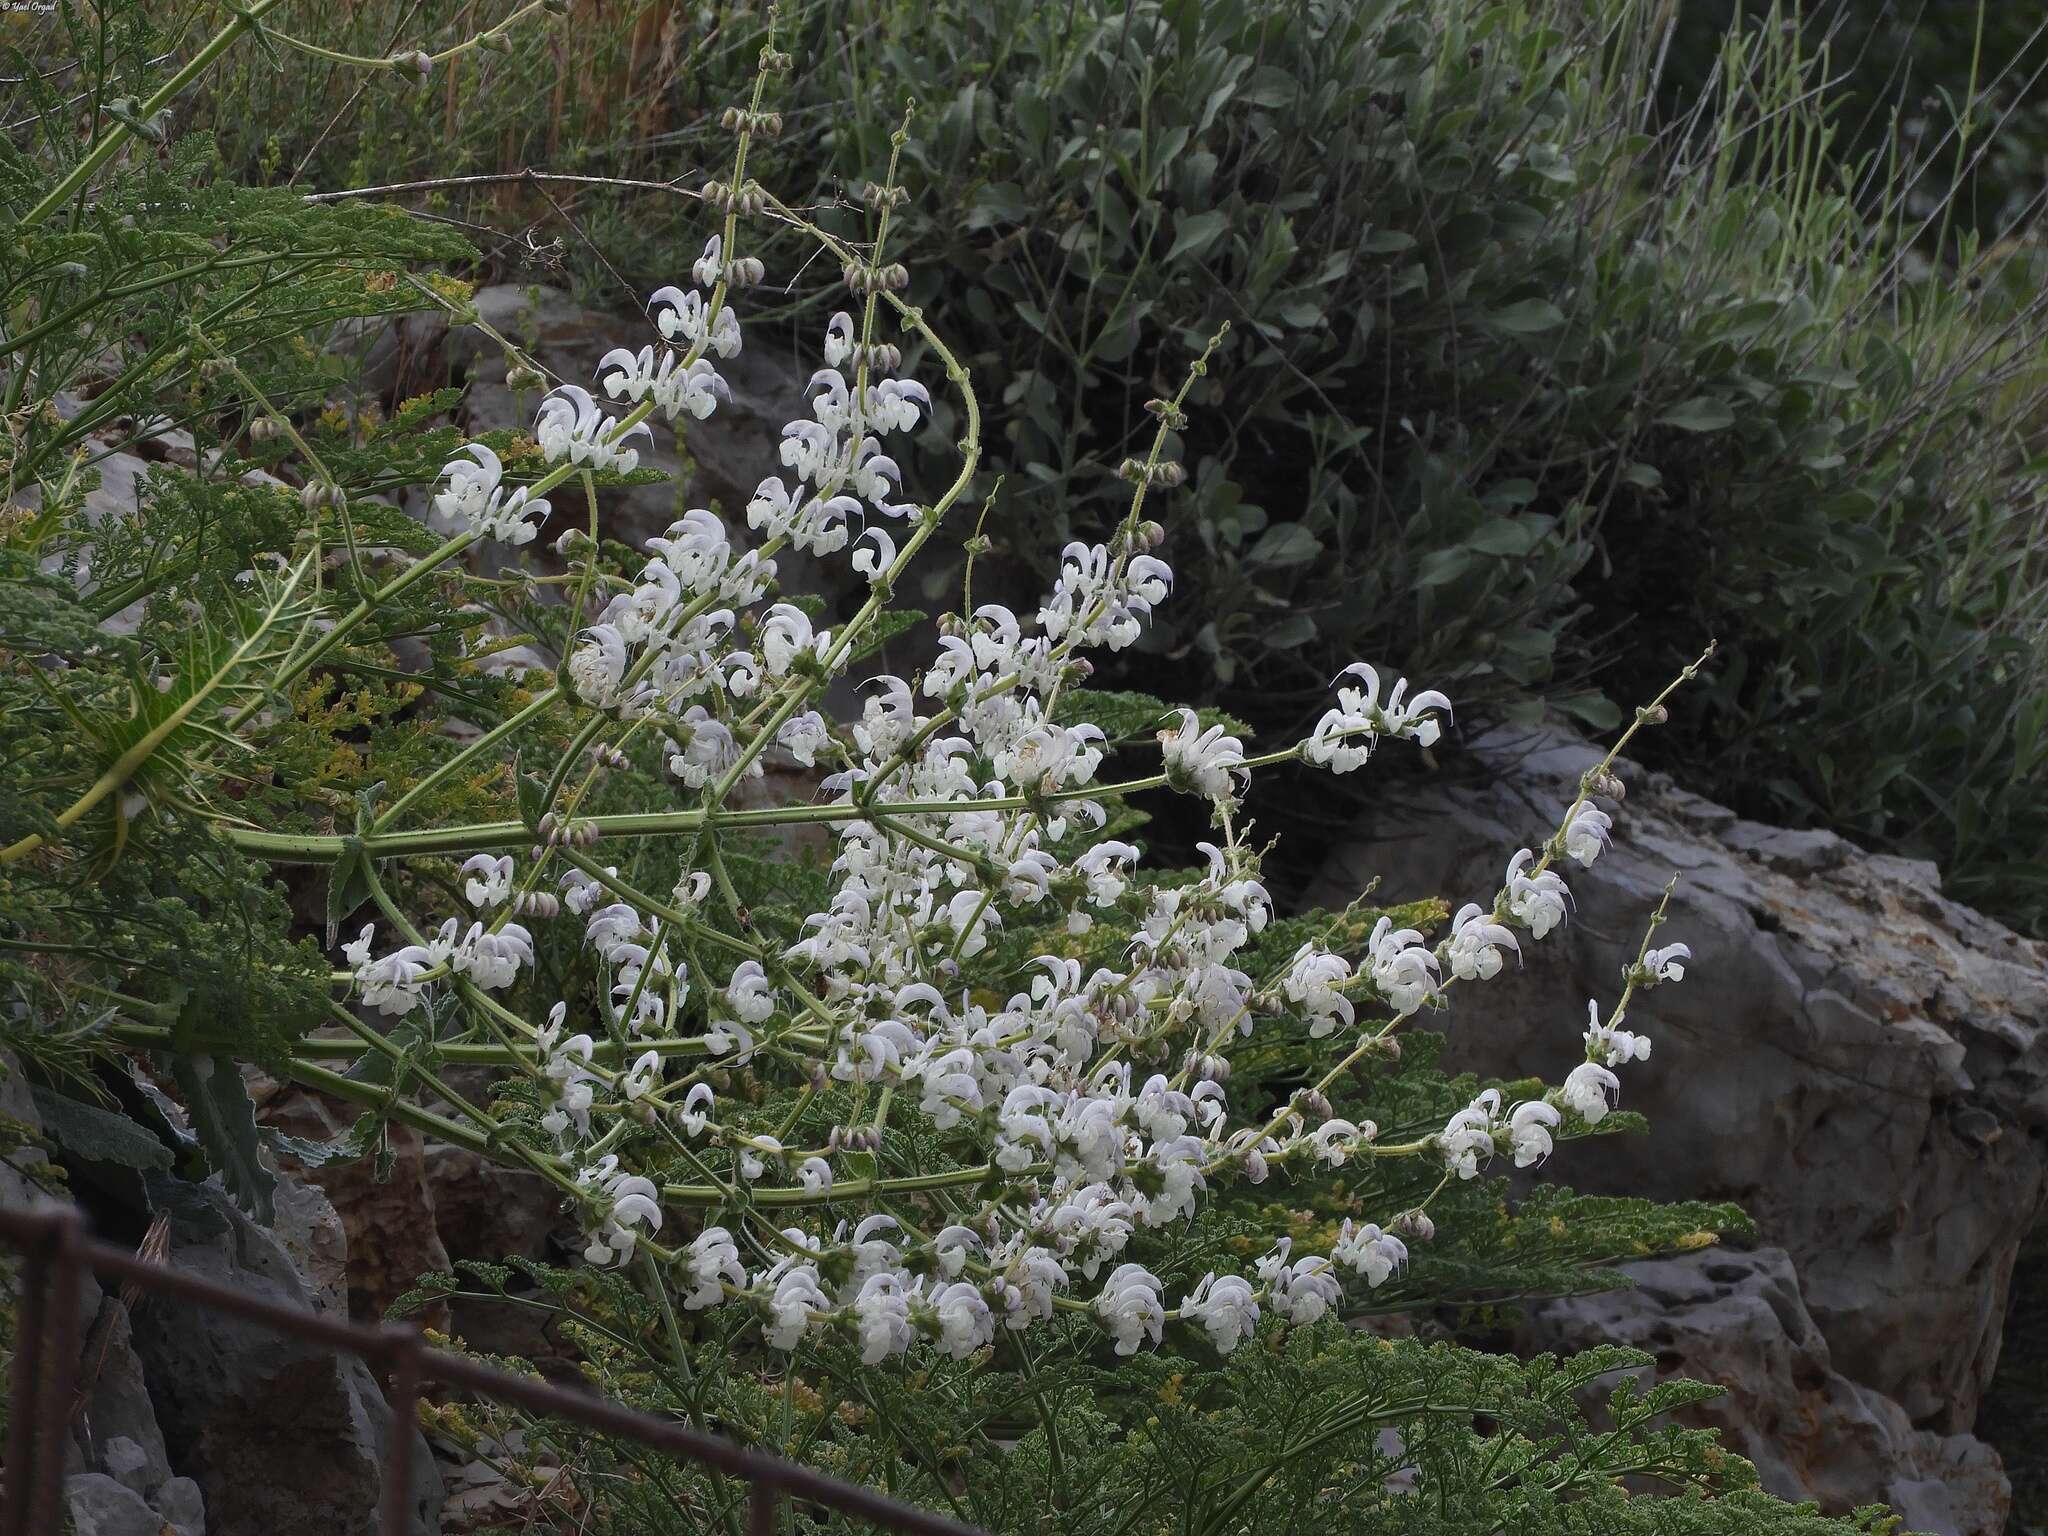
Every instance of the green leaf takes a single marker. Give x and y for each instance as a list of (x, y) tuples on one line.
[(348, 885), (533, 795), (887, 625), (1285, 544), (1530, 317), (95, 1134), (226, 1122), (308, 1153), (1196, 232), (1595, 709), (1702, 413)]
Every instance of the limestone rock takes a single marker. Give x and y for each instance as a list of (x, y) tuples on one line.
[(128, 1464), (1858, 1062), (279, 1433), (102, 1506), (1737, 1320), (312, 1231), (390, 1236), (182, 1505), (118, 1411)]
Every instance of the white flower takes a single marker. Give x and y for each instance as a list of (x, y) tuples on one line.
[(1666, 964), (797, 1296), (804, 736), (815, 1174), (1536, 900), (1207, 762), (1529, 1127), (748, 994), (644, 1077), (1586, 833), (963, 1319), (490, 880), (1401, 968), (951, 1248), (475, 497), (1225, 1307), (1467, 1140), (634, 1204), (357, 951), (1313, 979), (1476, 943), (882, 1318), (570, 426), (1604, 1042), (713, 1264), (1590, 1090), (1398, 716), (392, 985), (1334, 1139), (754, 1157), (1130, 1308), (686, 314), (1304, 1290), (491, 959), (840, 339), (597, 667), (1369, 1252), (695, 1114)]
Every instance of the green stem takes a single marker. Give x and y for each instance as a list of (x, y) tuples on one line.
[(118, 133)]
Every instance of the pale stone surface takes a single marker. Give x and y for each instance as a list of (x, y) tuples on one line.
[(1737, 1320), (1858, 1062), (279, 1433)]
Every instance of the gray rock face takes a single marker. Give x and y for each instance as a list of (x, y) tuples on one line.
[(1737, 1319), (102, 1506), (109, 1504), (278, 1433), (1860, 1063)]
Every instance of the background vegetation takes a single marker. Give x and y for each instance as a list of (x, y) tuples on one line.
[(1547, 329)]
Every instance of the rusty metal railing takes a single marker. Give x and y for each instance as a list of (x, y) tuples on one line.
[(58, 1254)]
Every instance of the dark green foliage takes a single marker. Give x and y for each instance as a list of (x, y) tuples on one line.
[(1532, 346), (1353, 1432)]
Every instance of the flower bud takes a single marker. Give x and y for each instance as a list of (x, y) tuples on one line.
[(524, 376), (265, 429), (419, 65), (495, 42), (1415, 1224), (320, 493)]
